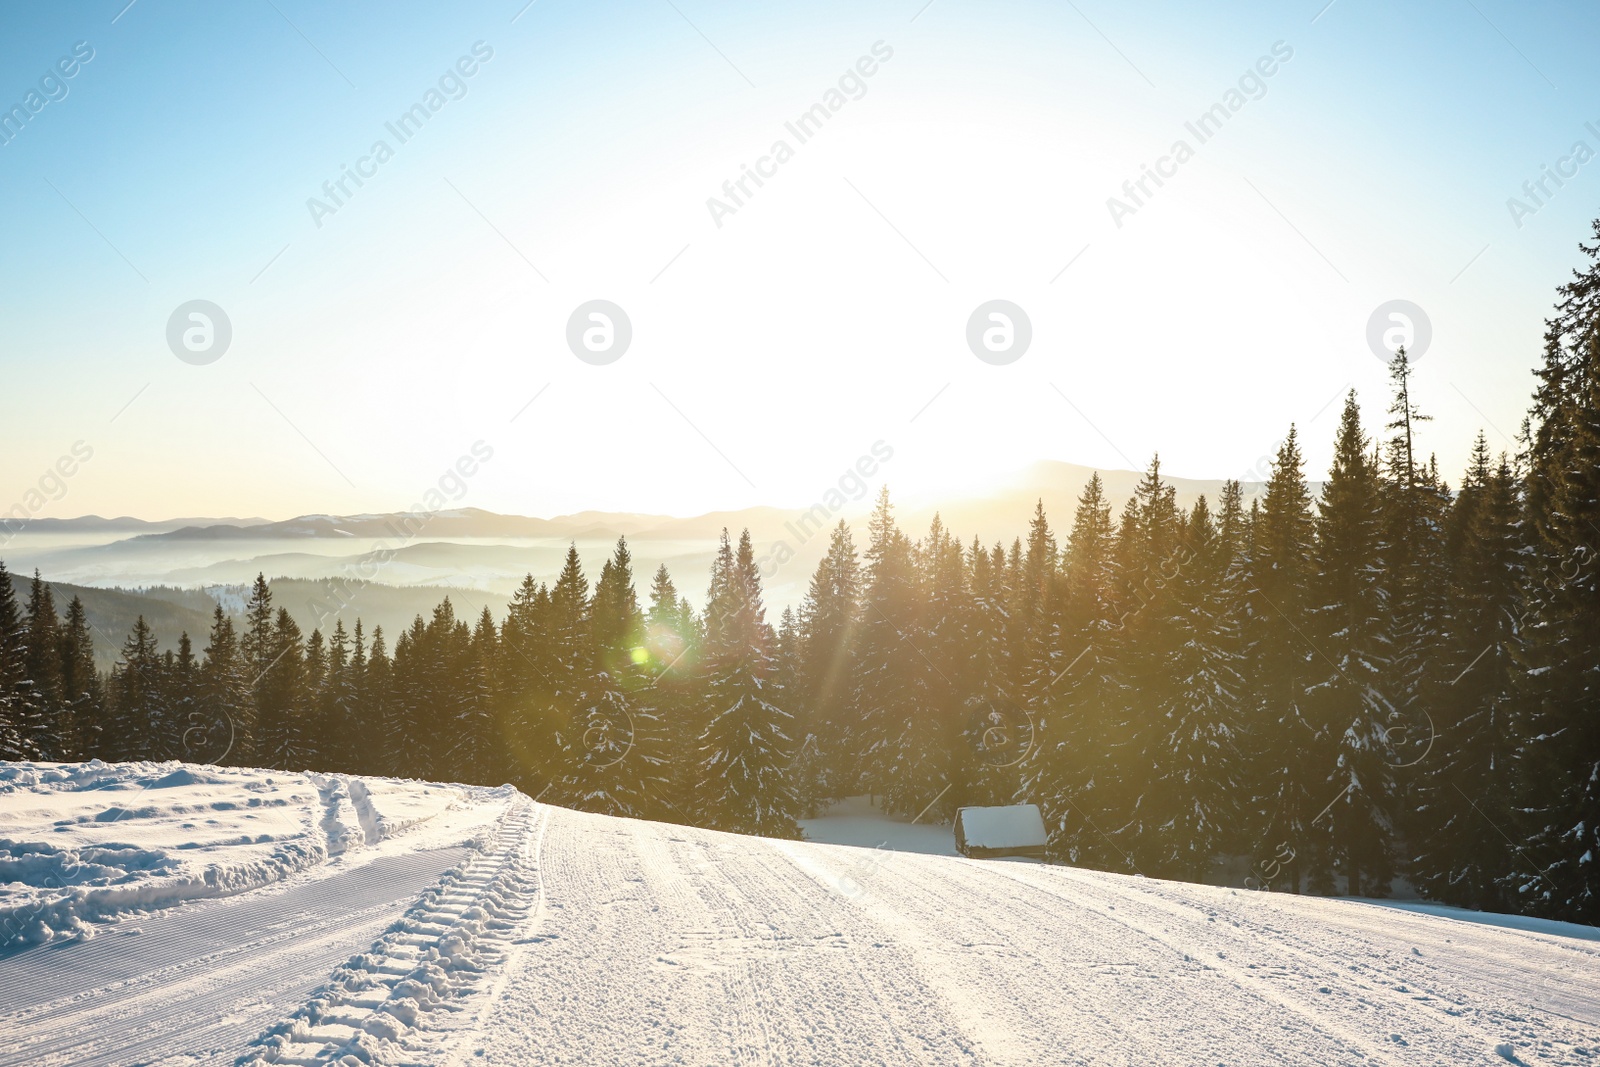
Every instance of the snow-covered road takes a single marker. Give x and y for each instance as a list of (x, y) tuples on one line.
[(661, 945), (476, 927), (202, 980)]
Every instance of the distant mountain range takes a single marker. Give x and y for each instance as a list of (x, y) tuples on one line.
[(998, 513), (176, 571), (454, 523), (126, 524)]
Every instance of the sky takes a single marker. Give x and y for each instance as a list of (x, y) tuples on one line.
[(380, 333)]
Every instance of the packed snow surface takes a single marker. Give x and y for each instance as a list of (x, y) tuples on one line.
[(362, 921)]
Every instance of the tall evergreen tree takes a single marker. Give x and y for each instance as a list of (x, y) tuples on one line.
[(83, 699), (1068, 772), (893, 676), (377, 703), (43, 717), (314, 683), (527, 697), (1351, 700), (672, 639), (226, 712), (1416, 575), (745, 750), (616, 766), (360, 715), (1279, 647), (137, 695), (182, 734), (337, 717), (829, 618), (570, 656), (1466, 789), (14, 743), (281, 698), (258, 649), (1135, 747), (1559, 873)]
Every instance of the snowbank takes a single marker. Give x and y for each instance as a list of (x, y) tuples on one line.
[(83, 843)]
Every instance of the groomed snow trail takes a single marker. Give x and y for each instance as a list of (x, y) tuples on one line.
[(203, 979), (657, 944), (398, 1000), (437, 924), (176, 912)]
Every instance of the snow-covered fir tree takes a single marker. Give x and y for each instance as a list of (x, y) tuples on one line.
[(745, 750)]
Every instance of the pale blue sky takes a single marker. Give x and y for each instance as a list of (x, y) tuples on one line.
[(828, 312)]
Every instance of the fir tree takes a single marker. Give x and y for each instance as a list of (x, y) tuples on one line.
[(1351, 708), (15, 743), (43, 717), (1135, 744), (1067, 772), (82, 695), (958, 760), (314, 682), (358, 716), (671, 639), (337, 715), (1416, 577), (377, 704), (617, 769), (1002, 735), (258, 649), (1468, 789), (1559, 873), (527, 697), (893, 676), (136, 698), (745, 748), (281, 700), (1283, 774), (226, 714), (182, 732), (829, 618), (570, 656), (1196, 805)]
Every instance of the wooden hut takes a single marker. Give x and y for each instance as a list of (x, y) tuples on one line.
[(991, 833)]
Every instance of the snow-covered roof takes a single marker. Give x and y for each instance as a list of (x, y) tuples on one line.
[(1011, 826)]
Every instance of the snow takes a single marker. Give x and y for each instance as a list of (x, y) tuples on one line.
[(449, 925), (856, 821), (83, 843), (1007, 826), (1552, 927)]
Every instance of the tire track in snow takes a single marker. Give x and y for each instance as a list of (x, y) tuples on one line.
[(1448, 1016), (1363, 1046), (1000, 961), (533, 857), (662, 944), (202, 978), (397, 1000), (886, 991), (771, 917)]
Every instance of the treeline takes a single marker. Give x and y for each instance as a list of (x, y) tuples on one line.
[(578, 696), (1392, 679)]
